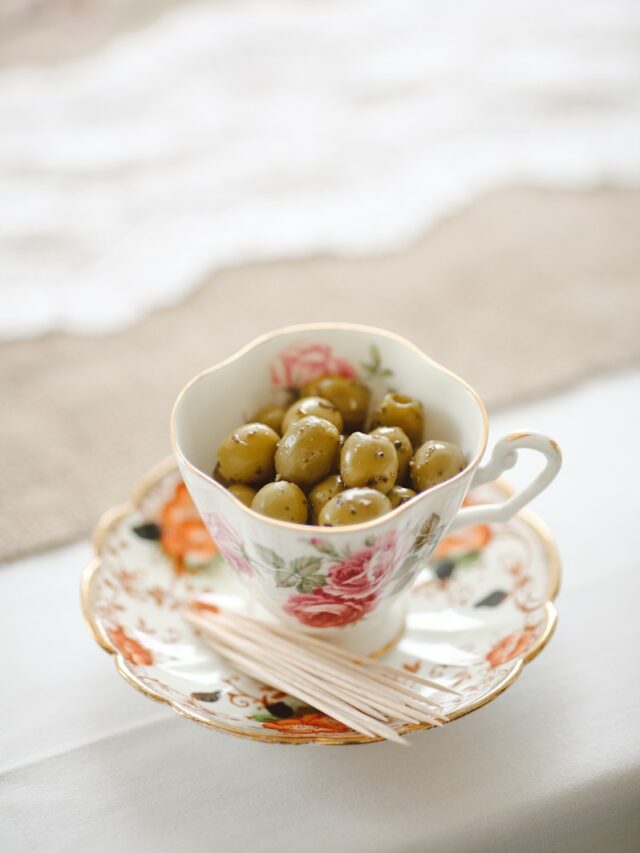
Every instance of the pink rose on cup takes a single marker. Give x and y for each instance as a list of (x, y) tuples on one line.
[(319, 610), (300, 363), (365, 573), (228, 542), (236, 560)]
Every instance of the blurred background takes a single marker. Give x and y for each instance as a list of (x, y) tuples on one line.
[(177, 177)]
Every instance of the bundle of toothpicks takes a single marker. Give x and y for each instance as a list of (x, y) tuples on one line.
[(363, 693)]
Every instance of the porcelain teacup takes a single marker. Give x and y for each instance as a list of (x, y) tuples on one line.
[(345, 584)]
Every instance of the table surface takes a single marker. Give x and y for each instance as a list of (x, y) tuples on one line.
[(553, 764)]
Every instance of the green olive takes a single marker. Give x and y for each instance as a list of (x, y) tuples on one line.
[(353, 507), (399, 495), (335, 465), (435, 462), (246, 455), (282, 500), (217, 476), (317, 406), (245, 494), (403, 446), (324, 491), (351, 398), (306, 451), (369, 460), (272, 416), (400, 411)]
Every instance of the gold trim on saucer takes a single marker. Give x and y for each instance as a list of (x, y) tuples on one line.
[(151, 479)]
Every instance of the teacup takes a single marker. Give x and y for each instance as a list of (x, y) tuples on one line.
[(345, 584)]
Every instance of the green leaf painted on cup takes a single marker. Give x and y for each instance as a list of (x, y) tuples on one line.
[(324, 547), (270, 557), (285, 578), (311, 582), (373, 368), (304, 566)]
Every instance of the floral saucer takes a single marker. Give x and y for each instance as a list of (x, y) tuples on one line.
[(477, 614)]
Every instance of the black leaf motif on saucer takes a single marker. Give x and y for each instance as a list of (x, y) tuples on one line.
[(280, 710), (149, 530), (493, 599), (206, 697)]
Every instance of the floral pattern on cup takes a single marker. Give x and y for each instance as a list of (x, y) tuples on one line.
[(322, 610), (229, 543), (363, 575), (298, 364), (336, 588)]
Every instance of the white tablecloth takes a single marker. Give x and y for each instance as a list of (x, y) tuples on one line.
[(86, 763)]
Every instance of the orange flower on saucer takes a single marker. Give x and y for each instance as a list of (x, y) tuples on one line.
[(308, 724), (130, 649), (472, 538), (183, 535), (509, 647)]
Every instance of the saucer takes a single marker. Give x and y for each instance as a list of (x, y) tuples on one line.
[(476, 615)]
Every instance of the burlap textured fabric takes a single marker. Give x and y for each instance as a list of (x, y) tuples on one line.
[(522, 293)]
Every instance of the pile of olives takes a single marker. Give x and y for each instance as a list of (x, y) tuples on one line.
[(314, 463)]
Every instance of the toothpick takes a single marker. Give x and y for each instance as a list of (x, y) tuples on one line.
[(323, 702), (403, 706), (362, 693)]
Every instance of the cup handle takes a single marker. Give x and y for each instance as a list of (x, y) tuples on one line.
[(504, 456)]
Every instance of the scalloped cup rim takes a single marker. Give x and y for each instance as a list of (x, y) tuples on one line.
[(328, 326)]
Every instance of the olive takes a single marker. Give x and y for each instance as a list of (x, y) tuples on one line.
[(349, 396), (282, 500), (271, 416), (353, 507), (435, 462), (400, 441), (335, 465), (245, 494), (306, 451), (318, 406), (324, 491), (369, 460), (400, 495), (400, 411), (246, 455), (217, 476)]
